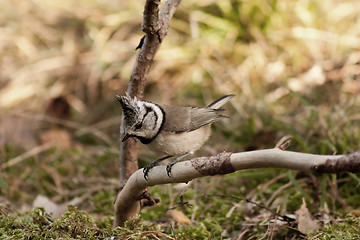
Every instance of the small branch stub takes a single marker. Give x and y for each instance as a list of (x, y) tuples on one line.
[(285, 145)]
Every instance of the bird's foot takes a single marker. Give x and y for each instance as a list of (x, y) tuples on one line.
[(171, 164), (147, 169), (151, 165), (168, 168)]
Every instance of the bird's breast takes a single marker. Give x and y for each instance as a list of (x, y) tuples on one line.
[(168, 143)]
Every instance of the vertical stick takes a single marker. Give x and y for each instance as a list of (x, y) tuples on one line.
[(155, 27)]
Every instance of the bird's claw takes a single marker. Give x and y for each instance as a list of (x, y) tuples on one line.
[(146, 172), (168, 169), (151, 165), (171, 164)]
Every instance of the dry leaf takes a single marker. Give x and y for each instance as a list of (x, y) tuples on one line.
[(55, 210), (305, 221), (178, 216), (356, 212), (50, 207)]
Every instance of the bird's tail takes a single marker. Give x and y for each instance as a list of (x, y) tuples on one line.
[(221, 101)]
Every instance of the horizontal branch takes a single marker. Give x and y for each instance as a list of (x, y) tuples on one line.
[(127, 203)]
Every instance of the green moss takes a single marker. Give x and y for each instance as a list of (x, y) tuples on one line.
[(135, 229), (37, 224), (198, 231), (349, 229), (76, 224)]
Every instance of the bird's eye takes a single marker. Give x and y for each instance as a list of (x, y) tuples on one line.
[(138, 126)]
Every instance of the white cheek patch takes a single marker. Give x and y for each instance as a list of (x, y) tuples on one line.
[(158, 117), (151, 118)]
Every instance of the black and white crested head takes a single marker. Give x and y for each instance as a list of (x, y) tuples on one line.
[(130, 109), (143, 120)]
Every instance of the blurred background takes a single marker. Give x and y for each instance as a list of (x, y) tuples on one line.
[(293, 65)]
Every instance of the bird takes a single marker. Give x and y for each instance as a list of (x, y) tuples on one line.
[(169, 131)]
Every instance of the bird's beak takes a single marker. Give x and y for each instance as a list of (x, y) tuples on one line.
[(125, 137)]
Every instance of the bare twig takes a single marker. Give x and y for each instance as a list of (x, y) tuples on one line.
[(127, 202), (284, 142)]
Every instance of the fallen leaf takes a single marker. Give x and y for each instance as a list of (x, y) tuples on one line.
[(55, 210), (50, 207), (306, 223), (178, 216), (356, 212)]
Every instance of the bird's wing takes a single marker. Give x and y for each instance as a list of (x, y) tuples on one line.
[(220, 101), (186, 119)]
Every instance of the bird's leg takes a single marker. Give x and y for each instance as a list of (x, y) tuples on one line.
[(151, 165), (177, 159)]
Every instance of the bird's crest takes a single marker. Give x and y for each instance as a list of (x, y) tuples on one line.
[(130, 108)]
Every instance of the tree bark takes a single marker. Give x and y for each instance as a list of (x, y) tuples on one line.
[(155, 26)]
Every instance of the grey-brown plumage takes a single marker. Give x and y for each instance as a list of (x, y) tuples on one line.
[(186, 119), (169, 130)]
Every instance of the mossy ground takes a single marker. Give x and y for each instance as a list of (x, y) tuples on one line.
[(37, 224)]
